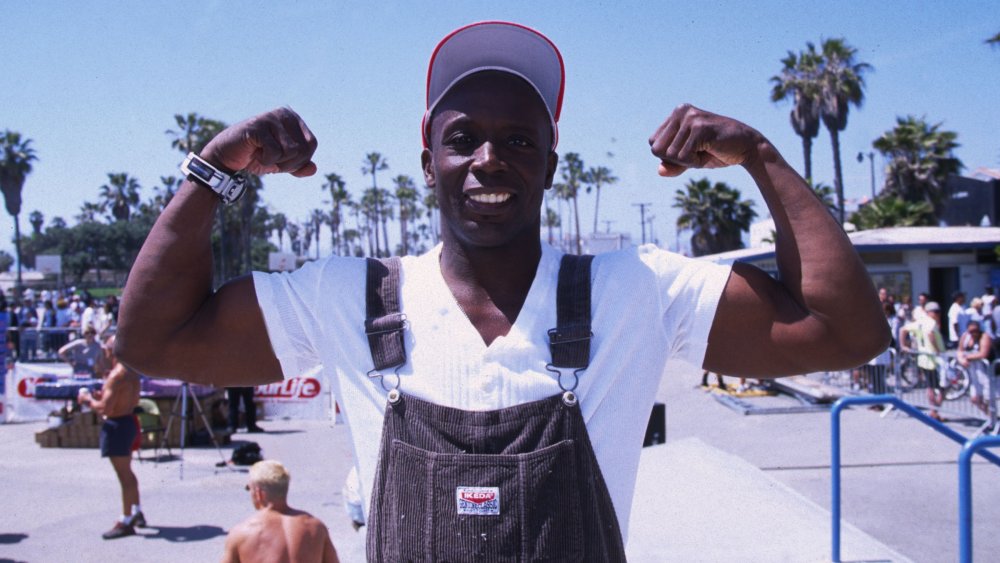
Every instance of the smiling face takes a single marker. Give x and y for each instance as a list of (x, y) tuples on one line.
[(490, 161)]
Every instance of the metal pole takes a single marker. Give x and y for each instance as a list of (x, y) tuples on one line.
[(871, 160), (965, 493), (835, 481), (184, 411)]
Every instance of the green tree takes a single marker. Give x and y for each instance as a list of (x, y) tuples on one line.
[(293, 238), (550, 220), (15, 165), (120, 195), (597, 178), (798, 80), (715, 214), (431, 207), (572, 172), (37, 220), (921, 157), (889, 210), (842, 84), (6, 261), (317, 218), (192, 134), (150, 209), (279, 223), (406, 196), (372, 165), (89, 212), (339, 197)]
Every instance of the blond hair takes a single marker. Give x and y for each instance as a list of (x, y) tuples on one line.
[(271, 477)]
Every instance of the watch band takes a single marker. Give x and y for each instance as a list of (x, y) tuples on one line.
[(229, 187)]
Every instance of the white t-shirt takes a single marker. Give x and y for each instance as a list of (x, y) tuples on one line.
[(648, 306)]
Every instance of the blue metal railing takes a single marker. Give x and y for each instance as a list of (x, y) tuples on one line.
[(970, 448), (965, 492)]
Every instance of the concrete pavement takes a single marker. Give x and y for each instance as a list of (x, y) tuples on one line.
[(726, 487)]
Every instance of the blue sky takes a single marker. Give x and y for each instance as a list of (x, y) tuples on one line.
[(96, 84)]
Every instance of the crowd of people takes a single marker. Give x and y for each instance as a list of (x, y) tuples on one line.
[(40, 323), (968, 332)]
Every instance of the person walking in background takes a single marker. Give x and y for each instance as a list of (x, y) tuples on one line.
[(235, 396), (277, 532), (956, 319), (923, 337)]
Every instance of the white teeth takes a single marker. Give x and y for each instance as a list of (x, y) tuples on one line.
[(490, 198)]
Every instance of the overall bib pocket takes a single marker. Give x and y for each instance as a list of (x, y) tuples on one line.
[(482, 507)]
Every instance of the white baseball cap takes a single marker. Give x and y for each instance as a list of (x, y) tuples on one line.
[(497, 45)]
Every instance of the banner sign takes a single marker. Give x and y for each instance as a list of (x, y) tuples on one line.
[(19, 402), (306, 397)]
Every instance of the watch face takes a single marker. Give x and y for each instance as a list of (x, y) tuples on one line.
[(199, 169)]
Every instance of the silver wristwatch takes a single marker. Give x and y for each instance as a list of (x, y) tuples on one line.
[(230, 188)]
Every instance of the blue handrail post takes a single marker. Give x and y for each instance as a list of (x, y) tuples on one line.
[(839, 406), (965, 492)]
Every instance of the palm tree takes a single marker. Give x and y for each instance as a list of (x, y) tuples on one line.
[(430, 202), (406, 195), (120, 195), (890, 210), (550, 220), (842, 84), (798, 80), (715, 215), (920, 159), (372, 164), (317, 218), (15, 165), (37, 220), (293, 238), (192, 134), (89, 212), (595, 179), (279, 223), (339, 196), (572, 175)]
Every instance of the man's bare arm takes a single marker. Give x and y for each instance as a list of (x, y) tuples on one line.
[(823, 312), (171, 323)]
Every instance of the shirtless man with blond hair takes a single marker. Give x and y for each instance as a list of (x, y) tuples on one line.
[(116, 402), (277, 533)]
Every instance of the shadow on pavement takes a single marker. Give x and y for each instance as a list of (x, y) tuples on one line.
[(8, 539), (184, 534)]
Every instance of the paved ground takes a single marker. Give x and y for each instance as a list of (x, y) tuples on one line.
[(726, 487)]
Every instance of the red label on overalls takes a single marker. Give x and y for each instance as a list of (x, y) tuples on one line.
[(478, 501)]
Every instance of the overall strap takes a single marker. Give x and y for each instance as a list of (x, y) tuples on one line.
[(569, 342), (384, 322)]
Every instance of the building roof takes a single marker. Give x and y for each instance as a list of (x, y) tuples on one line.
[(889, 239)]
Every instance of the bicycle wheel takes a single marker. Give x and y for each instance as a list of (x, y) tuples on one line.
[(906, 376), (958, 382)]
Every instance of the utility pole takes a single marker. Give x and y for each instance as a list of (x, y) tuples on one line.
[(607, 225), (642, 217), (871, 161)]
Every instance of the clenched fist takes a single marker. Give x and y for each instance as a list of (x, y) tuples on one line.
[(695, 138), (276, 141)]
